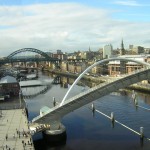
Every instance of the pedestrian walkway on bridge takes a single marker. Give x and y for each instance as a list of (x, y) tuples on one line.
[(14, 130)]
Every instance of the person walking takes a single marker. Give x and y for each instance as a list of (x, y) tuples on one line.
[(6, 137)]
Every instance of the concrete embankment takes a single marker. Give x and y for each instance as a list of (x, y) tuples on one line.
[(72, 75), (140, 87)]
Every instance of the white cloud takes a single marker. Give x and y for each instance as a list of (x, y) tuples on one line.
[(66, 26), (127, 2)]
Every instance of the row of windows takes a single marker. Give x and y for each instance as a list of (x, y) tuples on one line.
[(10, 86), (119, 69)]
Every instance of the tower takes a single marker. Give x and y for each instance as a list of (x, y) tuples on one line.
[(107, 51), (122, 50), (122, 63), (89, 49)]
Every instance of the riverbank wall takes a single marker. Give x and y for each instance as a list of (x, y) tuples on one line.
[(71, 75), (145, 88)]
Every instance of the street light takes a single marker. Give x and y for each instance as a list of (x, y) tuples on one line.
[(20, 97)]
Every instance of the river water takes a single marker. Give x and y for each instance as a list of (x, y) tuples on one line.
[(86, 131)]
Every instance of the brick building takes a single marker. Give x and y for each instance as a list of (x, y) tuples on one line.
[(9, 87), (117, 67)]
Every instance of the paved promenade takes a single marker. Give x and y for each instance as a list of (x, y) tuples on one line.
[(14, 132)]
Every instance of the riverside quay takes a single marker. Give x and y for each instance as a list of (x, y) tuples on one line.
[(14, 129)]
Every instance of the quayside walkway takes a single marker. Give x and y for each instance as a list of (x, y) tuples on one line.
[(14, 131)]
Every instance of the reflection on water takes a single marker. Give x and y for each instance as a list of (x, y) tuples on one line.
[(85, 131)]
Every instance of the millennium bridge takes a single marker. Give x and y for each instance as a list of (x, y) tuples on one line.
[(53, 116)]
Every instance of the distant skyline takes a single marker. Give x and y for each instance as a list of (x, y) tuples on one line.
[(72, 25)]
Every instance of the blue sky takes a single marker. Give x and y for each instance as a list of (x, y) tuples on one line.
[(73, 24), (137, 10)]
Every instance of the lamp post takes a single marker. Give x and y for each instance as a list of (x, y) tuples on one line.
[(20, 97)]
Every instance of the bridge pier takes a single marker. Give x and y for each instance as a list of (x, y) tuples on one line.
[(56, 133)]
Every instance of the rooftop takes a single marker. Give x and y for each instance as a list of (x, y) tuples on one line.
[(8, 79)]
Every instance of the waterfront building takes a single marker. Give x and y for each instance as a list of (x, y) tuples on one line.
[(60, 56), (9, 87), (101, 69), (107, 51), (77, 67), (116, 67), (64, 66), (80, 67), (71, 67)]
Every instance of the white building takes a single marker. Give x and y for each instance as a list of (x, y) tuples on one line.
[(107, 51)]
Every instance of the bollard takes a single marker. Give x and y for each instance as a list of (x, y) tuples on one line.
[(141, 132), (54, 102), (135, 101), (93, 108), (133, 95), (112, 117)]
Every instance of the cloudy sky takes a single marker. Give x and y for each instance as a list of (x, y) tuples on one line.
[(72, 25)]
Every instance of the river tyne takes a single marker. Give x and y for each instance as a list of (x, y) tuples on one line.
[(86, 131)]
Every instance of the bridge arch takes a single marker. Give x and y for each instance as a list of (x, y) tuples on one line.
[(29, 50), (95, 64)]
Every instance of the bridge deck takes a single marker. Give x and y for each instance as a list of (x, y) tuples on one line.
[(13, 124)]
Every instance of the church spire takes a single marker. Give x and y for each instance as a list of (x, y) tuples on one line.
[(122, 45), (122, 50)]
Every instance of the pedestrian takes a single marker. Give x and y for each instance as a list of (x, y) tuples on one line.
[(6, 137), (22, 141), (17, 131)]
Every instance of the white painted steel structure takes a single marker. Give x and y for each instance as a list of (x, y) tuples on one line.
[(95, 64), (54, 115)]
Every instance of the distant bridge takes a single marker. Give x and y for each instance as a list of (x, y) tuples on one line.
[(13, 56)]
